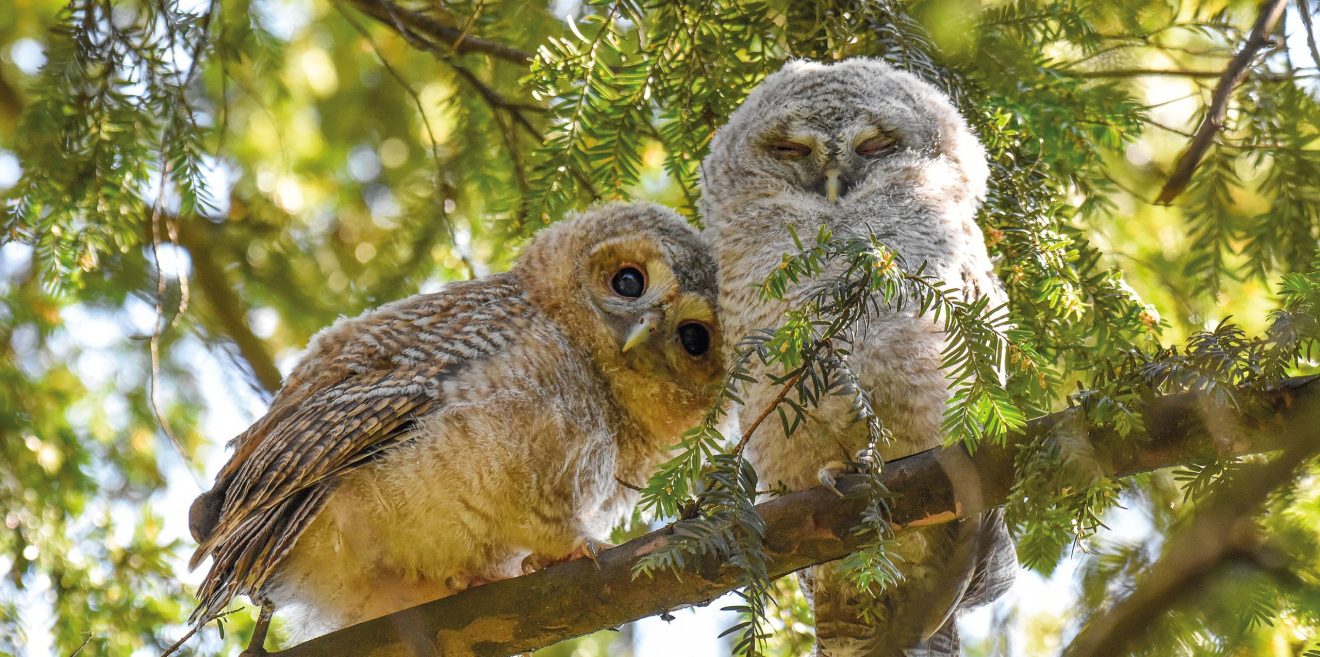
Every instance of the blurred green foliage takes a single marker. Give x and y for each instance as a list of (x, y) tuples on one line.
[(324, 156)]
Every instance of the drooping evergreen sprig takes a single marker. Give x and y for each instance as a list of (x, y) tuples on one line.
[(114, 94)]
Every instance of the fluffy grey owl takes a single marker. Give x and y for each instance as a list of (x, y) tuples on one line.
[(859, 147), (452, 438)]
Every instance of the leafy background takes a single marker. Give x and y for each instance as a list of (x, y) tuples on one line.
[(321, 157)]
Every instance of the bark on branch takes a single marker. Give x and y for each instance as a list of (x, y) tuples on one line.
[(227, 307), (804, 528)]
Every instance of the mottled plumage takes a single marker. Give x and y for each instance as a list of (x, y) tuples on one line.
[(859, 147), (440, 440)]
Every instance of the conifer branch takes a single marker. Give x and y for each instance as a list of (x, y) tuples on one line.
[(396, 17), (802, 529)]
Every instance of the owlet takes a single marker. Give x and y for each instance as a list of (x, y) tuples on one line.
[(860, 147), (448, 439)]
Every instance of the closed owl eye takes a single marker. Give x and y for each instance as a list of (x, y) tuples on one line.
[(788, 150), (876, 145)]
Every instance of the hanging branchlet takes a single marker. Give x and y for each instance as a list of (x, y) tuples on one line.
[(115, 91), (873, 279), (849, 281)]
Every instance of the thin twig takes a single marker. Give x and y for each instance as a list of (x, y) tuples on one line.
[(403, 82), (415, 29), (1269, 16), (161, 325), (515, 112), (467, 27), (629, 486), (174, 647), (430, 134), (1305, 12), (79, 650), (769, 408)]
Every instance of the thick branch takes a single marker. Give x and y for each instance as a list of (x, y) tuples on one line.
[(394, 16), (11, 103), (227, 307), (1269, 16), (802, 529)]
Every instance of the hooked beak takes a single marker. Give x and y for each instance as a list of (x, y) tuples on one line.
[(642, 330), (832, 185)]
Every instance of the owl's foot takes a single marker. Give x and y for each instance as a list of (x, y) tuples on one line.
[(586, 547), (830, 472), (829, 475), (463, 580)]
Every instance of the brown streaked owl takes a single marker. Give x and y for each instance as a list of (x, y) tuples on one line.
[(860, 147), (449, 439)]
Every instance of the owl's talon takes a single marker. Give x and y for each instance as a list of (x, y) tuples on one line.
[(829, 475), (588, 548), (534, 562), (462, 581)]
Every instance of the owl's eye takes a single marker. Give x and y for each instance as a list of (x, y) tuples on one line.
[(695, 337), (629, 282), (789, 150), (876, 145)]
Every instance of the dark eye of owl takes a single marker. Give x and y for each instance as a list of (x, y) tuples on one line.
[(695, 337), (876, 145), (789, 150), (629, 282)]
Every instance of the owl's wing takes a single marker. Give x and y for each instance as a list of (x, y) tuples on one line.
[(359, 390)]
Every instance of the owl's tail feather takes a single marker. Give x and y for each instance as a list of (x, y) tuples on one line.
[(943, 643), (248, 554), (947, 569)]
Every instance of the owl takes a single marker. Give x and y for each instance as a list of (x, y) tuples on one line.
[(455, 438), (860, 148)]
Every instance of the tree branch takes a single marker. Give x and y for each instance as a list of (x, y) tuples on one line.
[(1222, 529), (1139, 72), (1270, 13), (11, 103), (392, 16), (1305, 12), (227, 307), (802, 529)]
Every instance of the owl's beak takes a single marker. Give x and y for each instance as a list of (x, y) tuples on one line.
[(642, 330), (832, 185)]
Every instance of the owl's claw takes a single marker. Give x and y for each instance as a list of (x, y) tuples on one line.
[(829, 475), (586, 547), (463, 580)]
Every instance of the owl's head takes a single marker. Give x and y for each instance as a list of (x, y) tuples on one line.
[(825, 129), (636, 285)]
